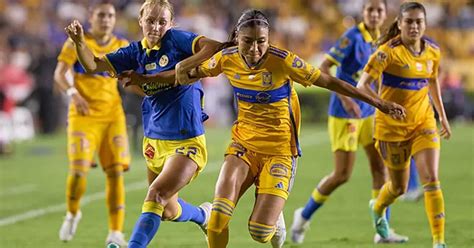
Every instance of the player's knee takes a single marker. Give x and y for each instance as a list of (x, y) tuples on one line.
[(260, 232), (341, 178), (79, 167), (114, 170), (158, 195), (398, 190)]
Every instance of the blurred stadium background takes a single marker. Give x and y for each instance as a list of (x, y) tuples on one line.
[(33, 164)]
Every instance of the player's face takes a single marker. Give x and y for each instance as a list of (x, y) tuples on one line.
[(374, 14), (253, 43), (156, 20), (412, 25), (102, 19)]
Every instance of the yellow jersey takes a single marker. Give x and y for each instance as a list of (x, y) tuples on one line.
[(99, 90), (404, 80), (268, 110)]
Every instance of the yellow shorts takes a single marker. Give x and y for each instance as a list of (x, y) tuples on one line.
[(156, 152), (108, 139), (345, 134), (396, 155), (273, 174)]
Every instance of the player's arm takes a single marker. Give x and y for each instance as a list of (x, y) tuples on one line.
[(435, 93), (68, 88), (90, 63)]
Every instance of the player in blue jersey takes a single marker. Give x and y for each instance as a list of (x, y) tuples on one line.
[(350, 120), (174, 144), (265, 136)]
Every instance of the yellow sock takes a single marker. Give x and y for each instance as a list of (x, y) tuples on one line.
[(153, 207), (318, 197), (75, 188), (384, 199), (115, 193), (260, 232), (375, 193), (434, 206), (217, 229)]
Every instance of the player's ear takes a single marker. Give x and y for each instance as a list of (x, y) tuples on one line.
[(399, 23)]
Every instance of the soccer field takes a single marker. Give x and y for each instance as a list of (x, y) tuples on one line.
[(32, 198)]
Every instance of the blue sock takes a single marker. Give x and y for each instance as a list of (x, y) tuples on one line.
[(144, 230), (388, 213), (190, 213), (310, 208), (413, 183)]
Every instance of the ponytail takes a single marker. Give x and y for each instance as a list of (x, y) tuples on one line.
[(390, 34)]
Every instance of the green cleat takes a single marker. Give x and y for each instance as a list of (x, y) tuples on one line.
[(440, 245), (379, 221)]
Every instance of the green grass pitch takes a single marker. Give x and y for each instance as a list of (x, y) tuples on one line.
[(32, 198)]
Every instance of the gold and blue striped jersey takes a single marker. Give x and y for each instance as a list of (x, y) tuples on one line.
[(267, 121), (405, 80)]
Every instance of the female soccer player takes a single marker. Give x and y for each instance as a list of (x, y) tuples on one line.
[(261, 151), (174, 148), (96, 124), (408, 63), (350, 120)]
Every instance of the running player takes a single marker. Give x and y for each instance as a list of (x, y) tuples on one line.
[(174, 148), (408, 63), (261, 153), (96, 124), (350, 120)]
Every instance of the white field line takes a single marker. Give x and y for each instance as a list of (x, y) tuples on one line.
[(311, 140), (27, 188)]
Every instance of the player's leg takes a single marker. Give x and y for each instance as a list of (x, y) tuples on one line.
[(343, 135), (426, 154), (115, 159), (81, 147), (414, 191), (234, 179)]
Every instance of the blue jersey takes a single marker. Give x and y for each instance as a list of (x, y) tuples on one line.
[(350, 54), (175, 113)]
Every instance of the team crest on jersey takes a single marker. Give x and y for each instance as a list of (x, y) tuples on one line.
[(381, 56), (150, 67), (429, 66), (149, 151), (344, 42), (212, 62), (298, 63), (266, 78), (164, 60)]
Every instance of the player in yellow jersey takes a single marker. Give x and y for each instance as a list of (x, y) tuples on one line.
[(408, 65), (96, 125), (261, 151)]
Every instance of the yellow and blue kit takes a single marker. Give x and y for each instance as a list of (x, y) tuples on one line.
[(265, 134), (405, 80)]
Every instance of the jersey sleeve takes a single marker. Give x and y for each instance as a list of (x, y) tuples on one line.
[(186, 41), (379, 61), (68, 53), (123, 59), (300, 71), (213, 66), (340, 50), (435, 65)]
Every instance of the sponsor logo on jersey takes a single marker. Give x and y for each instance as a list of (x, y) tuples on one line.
[(164, 60), (150, 67)]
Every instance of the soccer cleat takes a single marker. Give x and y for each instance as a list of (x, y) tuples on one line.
[(69, 226), (299, 227), (412, 195), (279, 237), (115, 238), (393, 238), (206, 207), (380, 222), (439, 245)]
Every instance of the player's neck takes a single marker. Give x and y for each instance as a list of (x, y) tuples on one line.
[(101, 39), (414, 46), (374, 32)]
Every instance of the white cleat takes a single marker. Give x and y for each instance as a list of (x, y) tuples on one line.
[(393, 238), (116, 239), (206, 207), (279, 237), (299, 227), (69, 226)]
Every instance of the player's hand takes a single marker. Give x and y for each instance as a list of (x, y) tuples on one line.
[(183, 77), (75, 32), (350, 106), (81, 104), (396, 111), (128, 78), (445, 131)]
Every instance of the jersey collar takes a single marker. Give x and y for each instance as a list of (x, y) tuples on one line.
[(365, 33), (147, 49)]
